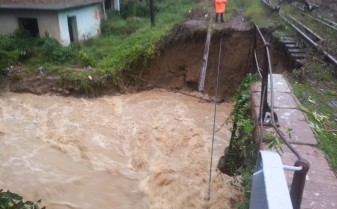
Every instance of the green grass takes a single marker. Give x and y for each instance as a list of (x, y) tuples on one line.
[(242, 152), (124, 41), (314, 85), (314, 99), (127, 38), (254, 10)]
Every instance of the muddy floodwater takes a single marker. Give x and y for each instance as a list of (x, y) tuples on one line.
[(134, 151)]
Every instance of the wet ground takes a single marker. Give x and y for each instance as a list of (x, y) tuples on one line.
[(144, 150)]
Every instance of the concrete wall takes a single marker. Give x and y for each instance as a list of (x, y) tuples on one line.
[(8, 23), (117, 5), (47, 21), (88, 20)]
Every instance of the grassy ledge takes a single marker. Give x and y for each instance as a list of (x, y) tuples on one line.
[(126, 37)]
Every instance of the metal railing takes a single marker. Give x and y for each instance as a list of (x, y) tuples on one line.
[(269, 188), (267, 116)]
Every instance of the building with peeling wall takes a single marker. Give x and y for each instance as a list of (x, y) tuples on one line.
[(65, 20)]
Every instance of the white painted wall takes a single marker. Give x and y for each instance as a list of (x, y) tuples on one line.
[(8, 22), (47, 21), (88, 22), (116, 5)]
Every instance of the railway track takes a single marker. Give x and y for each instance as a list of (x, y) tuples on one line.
[(328, 22), (322, 37)]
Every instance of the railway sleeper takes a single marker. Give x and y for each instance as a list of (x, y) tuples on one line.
[(293, 51), (299, 62), (288, 42), (291, 46), (297, 55)]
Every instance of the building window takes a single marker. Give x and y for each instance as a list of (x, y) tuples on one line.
[(29, 24)]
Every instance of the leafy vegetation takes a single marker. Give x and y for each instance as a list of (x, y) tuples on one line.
[(242, 152), (273, 141), (9, 200), (242, 149), (126, 38)]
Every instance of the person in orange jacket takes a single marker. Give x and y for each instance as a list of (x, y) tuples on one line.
[(220, 6)]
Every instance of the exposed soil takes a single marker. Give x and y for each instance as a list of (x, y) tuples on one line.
[(179, 63)]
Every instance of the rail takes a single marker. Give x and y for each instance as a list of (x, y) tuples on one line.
[(317, 46), (267, 116), (269, 177)]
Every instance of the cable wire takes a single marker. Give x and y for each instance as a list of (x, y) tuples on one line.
[(216, 95)]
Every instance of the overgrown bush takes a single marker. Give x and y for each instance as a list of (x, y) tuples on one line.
[(13, 49), (135, 8), (52, 51), (241, 155), (124, 41), (85, 59), (121, 27), (20, 47), (242, 148), (9, 200), (7, 59)]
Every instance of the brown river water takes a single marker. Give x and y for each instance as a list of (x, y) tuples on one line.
[(136, 151)]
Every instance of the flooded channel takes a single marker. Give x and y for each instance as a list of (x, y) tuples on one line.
[(134, 151)]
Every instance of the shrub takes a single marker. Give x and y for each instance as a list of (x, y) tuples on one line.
[(6, 42), (9, 200), (51, 50), (128, 8), (85, 59), (8, 58), (242, 148), (142, 10), (122, 27), (136, 8), (24, 42)]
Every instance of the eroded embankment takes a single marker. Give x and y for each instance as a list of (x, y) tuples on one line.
[(178, 66)]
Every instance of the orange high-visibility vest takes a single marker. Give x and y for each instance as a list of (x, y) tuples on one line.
[(220, 6)]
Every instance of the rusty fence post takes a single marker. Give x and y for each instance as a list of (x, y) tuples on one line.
[(297, 185)]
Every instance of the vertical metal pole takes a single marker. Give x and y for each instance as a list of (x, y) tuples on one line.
[(265, 71), (152, 12), (203, 70), (297, 186), (264, 88)]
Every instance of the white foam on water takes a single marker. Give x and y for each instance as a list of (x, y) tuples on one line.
[(135, 151)]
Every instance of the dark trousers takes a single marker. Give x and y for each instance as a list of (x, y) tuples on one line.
[(217, 17)]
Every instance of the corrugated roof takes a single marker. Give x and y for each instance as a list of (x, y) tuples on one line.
[(45, 4)]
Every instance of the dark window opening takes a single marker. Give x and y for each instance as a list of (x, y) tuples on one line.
[(72, 27), (108, 4), (29, 24)]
